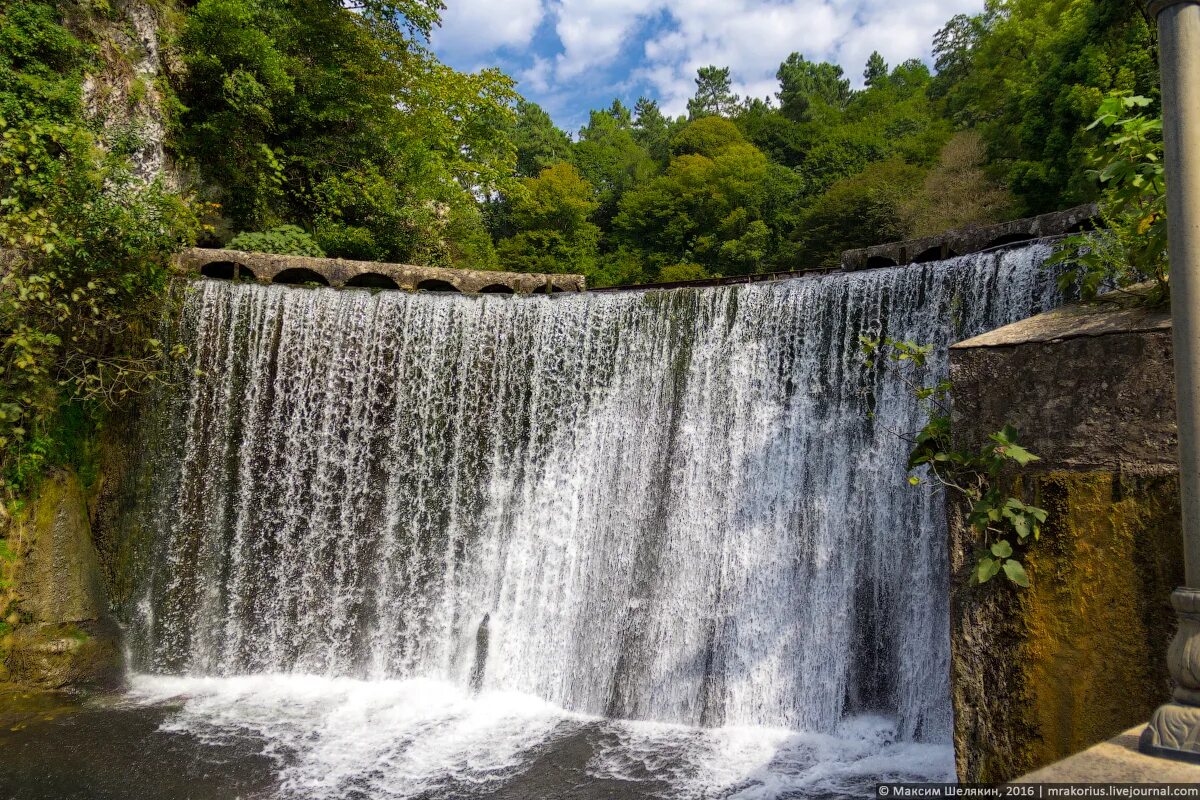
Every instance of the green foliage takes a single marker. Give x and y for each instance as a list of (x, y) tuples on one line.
[(80, 301), (341, 122), (705, 209), (1131, 246), (706, 136), (539, 142), (335, 118), (89, 247), (552, 214), (41, 63), (807, 88), (610, 158), (876, 70), (1006, 525), (859, 211), (652, 130), (682, 272), (1031, 75), (287, 240), (1000, 131)]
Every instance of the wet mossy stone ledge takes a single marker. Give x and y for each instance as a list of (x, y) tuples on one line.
[(1041, 673), (59, 632)]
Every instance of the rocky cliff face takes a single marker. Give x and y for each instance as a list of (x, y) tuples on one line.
[(128, 91)]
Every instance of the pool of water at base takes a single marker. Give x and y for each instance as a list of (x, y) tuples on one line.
[(292, 737)]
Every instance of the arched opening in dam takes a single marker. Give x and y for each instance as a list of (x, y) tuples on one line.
[(880, 262), (226, 271), (660, 538), (372, 280), (434, 285), (300, 276), (1010, 240)]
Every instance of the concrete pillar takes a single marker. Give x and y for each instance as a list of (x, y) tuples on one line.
[(1174, 730)]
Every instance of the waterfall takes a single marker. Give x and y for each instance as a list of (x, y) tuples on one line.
[(664, 505)]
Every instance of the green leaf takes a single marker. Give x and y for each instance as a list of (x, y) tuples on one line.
[(987, 569), (1002, 549), (1016, 572)]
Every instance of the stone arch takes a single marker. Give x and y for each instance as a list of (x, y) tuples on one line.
[(497, 288), (878, 262), (435, 285), (372, 280), (300, 275), (226, 270), (937, 253), (1010, 239)]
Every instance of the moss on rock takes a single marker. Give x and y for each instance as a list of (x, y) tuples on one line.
[(61, 633), (1042, 673)]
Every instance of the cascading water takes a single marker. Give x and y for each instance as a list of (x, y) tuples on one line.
[(653, 505)]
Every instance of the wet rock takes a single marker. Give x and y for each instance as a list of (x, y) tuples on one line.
[(64, 635)]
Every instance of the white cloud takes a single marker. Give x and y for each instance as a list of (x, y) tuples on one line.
[(537, 76), (593, 32), (473, 28), (669, 39)]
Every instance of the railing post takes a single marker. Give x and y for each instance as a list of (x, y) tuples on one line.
[(1174, 730)]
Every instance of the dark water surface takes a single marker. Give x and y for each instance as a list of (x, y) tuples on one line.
[(308, 738), (59, 747)]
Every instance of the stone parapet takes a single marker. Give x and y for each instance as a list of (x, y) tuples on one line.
[(971, 240), (338, 273)]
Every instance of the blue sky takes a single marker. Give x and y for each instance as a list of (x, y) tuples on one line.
[(573, 55)]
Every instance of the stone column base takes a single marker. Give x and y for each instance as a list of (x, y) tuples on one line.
[(1173, 732)]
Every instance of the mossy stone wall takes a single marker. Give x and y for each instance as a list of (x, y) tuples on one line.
[(1042, 673), (60, 633)]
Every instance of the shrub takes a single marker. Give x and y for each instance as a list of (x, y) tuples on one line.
[(682, 272), (284, 240)]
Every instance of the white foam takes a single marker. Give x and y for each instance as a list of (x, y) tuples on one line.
[(752, 763), (387, 739), (398, 739)]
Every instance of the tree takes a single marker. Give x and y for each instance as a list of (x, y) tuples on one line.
[(538, 140), (876, 70), (551, 213), (706, 136), (784, 141), (706, 209), (859, 211), (652, 130), (337, 120), (610, 158), (620, 114), (953, 48), (713, 94), (806, 85), (1031, 74)]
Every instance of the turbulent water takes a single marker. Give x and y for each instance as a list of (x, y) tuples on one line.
[(670, 506)]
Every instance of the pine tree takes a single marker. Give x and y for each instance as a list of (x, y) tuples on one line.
[(876, 71), (713, 94)]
